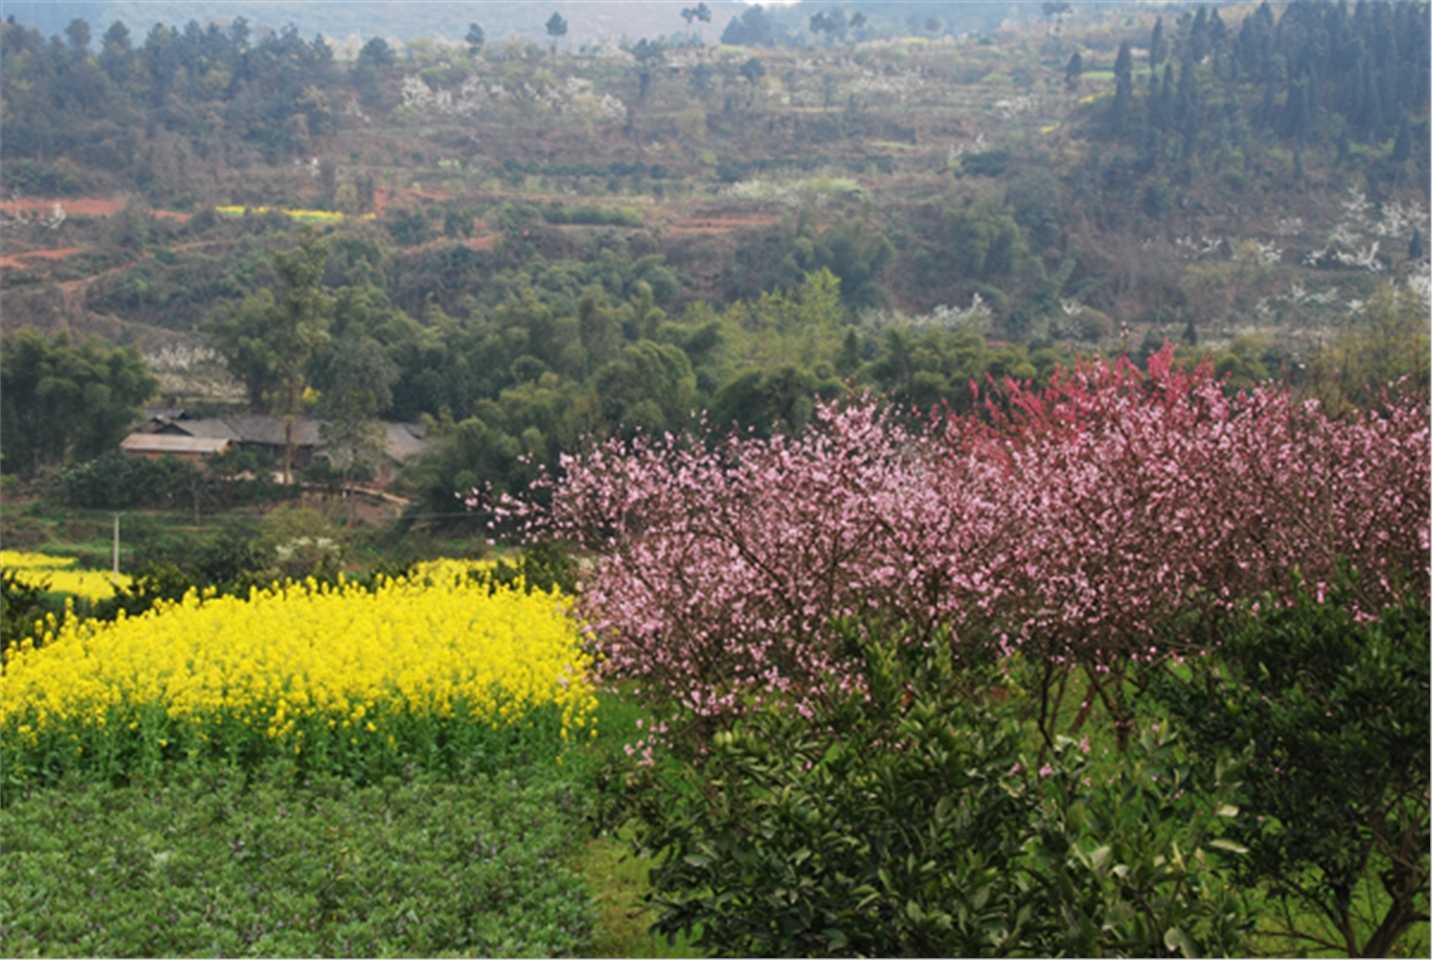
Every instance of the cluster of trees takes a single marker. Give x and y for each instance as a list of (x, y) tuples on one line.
[(61, 400), (1318, 74), (759, 26), (1067, 521), (179, 102), (557, 351)]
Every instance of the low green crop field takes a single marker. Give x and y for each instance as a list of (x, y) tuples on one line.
[(216, 860), (222, 864)]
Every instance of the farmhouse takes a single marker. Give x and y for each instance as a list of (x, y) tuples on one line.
[(172, 431), (152, 446)]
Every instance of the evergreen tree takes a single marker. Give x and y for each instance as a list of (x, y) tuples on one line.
[(78, 34), (1372, 122), (556, 28), (1189, 109), (1414, 246), (1073, 71), (1198, 36), (1217, 31), (115, 53), (1158, 46), (1123, 87), (61, 400), (1297, 111)]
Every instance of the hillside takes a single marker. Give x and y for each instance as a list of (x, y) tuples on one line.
[(552, 243)]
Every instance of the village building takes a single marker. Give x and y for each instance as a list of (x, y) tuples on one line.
[(153, 446), (173, 433)]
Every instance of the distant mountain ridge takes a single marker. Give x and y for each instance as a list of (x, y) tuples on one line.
[(588, 20)]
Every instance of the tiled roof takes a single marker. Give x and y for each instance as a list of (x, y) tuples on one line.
[(206, 427), (260, 428), (170, 443), (401, 441)]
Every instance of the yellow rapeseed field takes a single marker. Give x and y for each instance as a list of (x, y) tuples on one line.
[(57, 574), (421, 667), (293, 213)]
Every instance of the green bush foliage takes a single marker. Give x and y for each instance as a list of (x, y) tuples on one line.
[(117, 481), (218, 867), (912, 823), (63, 400), (593, 216), (1327, 712), (988, 163), (22, 602), (1132, 861), (543, 566)]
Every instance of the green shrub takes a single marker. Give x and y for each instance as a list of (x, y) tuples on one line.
[(116, 481), (54, 178), (1328, 714), (988, 163), (912, 824), (298, 542), (22, 602), (1132, 861), (593, 216), (217, 867), (542, 566), (151, 583)]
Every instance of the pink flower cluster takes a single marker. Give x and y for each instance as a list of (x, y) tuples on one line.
[(1074, 521)]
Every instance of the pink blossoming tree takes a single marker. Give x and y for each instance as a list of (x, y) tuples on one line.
[(1075, 524)]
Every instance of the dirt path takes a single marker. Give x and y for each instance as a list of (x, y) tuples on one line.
[(705, 226), (17, 260), (72, 292)]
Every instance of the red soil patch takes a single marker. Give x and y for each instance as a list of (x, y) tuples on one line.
[(17, 260), (81, 207), (482, 239), (435, 196), (382, 196), (74, 206)]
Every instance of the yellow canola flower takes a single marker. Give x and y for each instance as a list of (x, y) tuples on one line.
[(431, 647), (449, 568), (57, 575), (20, 560), (293, 213)]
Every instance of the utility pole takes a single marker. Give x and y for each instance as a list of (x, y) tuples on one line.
[(114, 556)]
